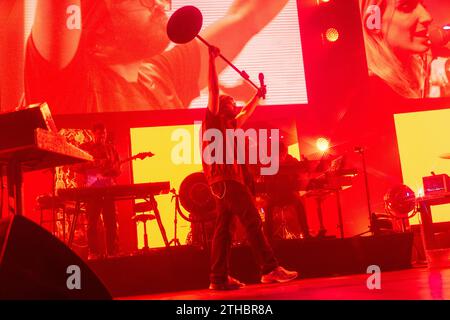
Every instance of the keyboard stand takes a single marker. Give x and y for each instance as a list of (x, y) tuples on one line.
[(150, 199)]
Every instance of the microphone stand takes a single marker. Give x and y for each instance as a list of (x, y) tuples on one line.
[(242, 73), (426, 76), (175, 241), (361, 151), (180, 34)]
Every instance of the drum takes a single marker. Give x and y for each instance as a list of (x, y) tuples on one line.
[(196, 196), (197, 199)]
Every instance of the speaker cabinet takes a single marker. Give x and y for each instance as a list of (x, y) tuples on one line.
[(36, 265)]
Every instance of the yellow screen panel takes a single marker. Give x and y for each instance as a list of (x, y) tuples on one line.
[(422, 137), (162, 141)]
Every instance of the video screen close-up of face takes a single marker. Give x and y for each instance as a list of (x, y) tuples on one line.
[(407, 45), (118, 57)]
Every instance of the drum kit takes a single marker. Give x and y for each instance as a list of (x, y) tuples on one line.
[(270, 192)]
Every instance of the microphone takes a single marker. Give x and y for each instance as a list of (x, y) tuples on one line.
[(262, 85), (439, 37)]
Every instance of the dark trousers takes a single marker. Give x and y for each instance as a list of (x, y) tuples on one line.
[(233, 198), (107, 208)]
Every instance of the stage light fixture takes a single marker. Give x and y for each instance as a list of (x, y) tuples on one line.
[(322, 144), (322, 1), (332, 35), (400, 202)]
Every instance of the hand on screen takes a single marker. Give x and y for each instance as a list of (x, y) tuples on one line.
[(214, 52), (438, 72), (262, 92)]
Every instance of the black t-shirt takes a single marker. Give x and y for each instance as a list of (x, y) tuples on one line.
[(100, 175), (220, 170)]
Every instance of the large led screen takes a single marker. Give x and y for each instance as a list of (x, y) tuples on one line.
[(407, 45), (110, 56)]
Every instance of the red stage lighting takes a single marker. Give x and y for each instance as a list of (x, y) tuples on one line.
[(323, 144), (332, 35)]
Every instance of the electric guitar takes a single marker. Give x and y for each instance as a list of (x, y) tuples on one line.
[(106, 174)]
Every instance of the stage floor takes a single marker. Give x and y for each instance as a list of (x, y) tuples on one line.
[(186, 268), (411, 284)]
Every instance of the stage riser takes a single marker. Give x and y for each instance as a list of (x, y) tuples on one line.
[(186, 268)]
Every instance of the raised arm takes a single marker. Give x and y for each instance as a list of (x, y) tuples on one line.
[(244, 19), (213, 103), (249, 108), (55, 35)]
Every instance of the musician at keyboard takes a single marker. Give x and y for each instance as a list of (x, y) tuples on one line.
[(102, 172)]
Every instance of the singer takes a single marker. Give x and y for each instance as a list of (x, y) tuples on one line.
[(398, 53), (232, 196)]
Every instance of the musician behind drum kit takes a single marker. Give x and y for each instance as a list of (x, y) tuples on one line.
[(282, 192), (101, 173)]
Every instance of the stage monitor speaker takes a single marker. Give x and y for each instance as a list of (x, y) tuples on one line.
[(35, 265)]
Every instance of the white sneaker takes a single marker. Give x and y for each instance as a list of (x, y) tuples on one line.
[(279, 274), (230, 284)]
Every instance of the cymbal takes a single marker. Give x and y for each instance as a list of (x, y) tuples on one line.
[(445, 156)]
